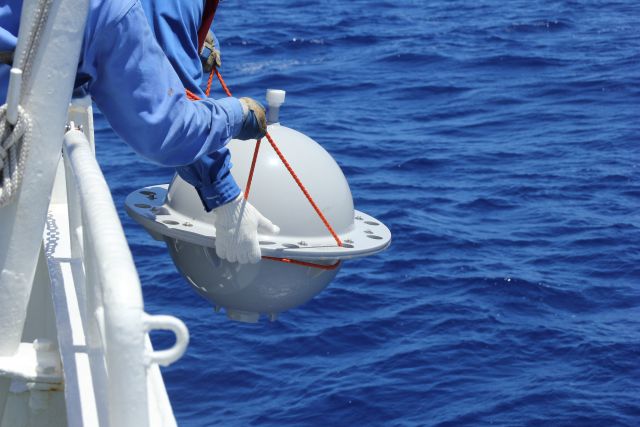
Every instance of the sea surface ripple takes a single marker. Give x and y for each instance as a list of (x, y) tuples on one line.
[(499, 140)]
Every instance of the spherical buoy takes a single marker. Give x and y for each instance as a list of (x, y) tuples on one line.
[(175, 215)]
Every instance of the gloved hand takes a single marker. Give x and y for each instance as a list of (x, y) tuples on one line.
[(237, 224), (210, 53), (254, 120)]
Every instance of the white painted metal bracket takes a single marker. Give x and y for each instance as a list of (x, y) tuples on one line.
[(37, 364), (167, 323)]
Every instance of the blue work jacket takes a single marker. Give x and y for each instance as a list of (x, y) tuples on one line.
[(140, 94), (175, 24)]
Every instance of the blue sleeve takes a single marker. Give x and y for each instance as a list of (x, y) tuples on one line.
[(174, 24), (134, 85), (9, 22), (211, 177)]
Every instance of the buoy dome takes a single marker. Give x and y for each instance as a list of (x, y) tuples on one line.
[(175, 214), (274, 192), (269, 287)]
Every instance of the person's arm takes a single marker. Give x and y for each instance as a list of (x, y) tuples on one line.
[(134, 85), (211, 174), (136, 88), (212, 179)]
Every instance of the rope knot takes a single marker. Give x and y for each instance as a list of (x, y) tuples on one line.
[(14, 146)]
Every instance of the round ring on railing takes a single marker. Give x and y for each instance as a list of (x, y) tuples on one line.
[(167, 323)]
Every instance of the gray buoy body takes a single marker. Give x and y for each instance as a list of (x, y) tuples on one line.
[(175, 215)]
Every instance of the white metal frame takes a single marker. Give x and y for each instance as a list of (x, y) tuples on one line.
[(45, 95), (102, 327), (99, 350)]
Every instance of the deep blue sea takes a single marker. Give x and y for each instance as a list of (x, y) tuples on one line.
[(500, 142)]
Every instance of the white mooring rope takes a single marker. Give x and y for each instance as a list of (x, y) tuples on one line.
[(14, 146), (15, 139)]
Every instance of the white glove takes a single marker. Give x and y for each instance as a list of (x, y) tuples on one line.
[(237, 224)]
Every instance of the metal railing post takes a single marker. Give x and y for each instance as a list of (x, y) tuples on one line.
[(47, 86)]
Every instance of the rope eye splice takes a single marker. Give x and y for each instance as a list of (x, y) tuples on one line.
[(15, 123), (15, 139), (14, 147)]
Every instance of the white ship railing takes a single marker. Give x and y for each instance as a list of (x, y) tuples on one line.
[(86, 313), (75, 292), (110, 306)]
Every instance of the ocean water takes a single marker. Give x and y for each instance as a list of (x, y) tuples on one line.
[(500, 142)]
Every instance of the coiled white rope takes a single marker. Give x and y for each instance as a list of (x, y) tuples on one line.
[(15, 139), (14, 147)]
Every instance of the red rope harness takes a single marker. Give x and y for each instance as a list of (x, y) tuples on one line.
[(208, 13), (295, 178), (192, 96)]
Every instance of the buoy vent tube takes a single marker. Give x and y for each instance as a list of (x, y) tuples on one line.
[(275, 98)]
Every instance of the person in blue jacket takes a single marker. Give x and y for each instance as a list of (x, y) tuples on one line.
[(130, 79), (176, 25)]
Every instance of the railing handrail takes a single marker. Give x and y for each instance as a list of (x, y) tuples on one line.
[(124, 322), (101, 217), (120, 286)]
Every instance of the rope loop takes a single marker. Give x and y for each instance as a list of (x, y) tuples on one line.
[(14, 147)]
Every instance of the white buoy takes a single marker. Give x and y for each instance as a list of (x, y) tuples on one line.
[(175, 214)]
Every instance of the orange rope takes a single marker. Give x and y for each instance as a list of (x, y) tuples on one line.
[(247, 188), (208, 91), (192, 96), (303, 188), (214, 72), (220, 79), (286, 164), (304, 263)]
